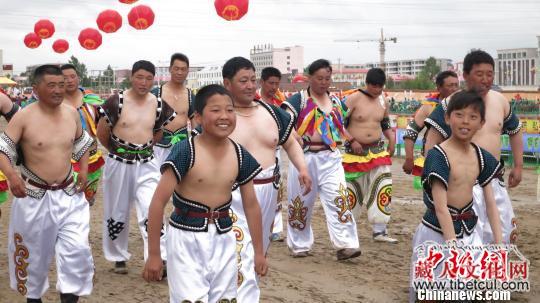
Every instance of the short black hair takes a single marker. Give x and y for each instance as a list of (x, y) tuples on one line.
[(69, 66), (270, 71), (47, 69), (319, 64), (233, 65), (476, 57), (439, 80), (205, 93), (464, 99), (180, 57), (375, 76), (144, 65)]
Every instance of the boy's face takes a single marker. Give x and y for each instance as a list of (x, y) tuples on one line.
[(464, 122), (218, 118), (374, 89)]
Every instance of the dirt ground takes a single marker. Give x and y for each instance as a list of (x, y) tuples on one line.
[(379, 275)]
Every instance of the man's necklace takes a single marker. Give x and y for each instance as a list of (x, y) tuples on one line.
[(246, 115)]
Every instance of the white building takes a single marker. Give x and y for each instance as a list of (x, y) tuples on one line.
[(209, 75), (408, 67), (517, 68), (289, 60)]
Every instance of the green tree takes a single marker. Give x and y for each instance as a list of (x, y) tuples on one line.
[(125, 84), (431, 69), (81, 70)]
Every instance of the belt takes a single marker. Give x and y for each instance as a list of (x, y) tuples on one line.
[(209, 215), (463, 216), (324, 146), (268, 180), (46, 186)]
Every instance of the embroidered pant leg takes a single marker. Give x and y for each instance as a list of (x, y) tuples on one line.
[(146, 179), (31, 240), (118, 184), (74, 262), (278, 219), (300, 207), (506, 212), (201, 265), (267, 196), (248, 286), (378, 197), (335, 200)]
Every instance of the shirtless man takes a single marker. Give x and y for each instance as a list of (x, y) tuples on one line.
[(478, 71), (366, 162), (7, 109), (260, 128), (131, 121), (49, 214), (88, 113), (269, 93), (319, 121), (447, 83), (180, 98)]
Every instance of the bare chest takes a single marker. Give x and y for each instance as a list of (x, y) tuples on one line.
[(137, 116), (213, 172), (366, 111), (42, 137), (179, 102), (259, 129), (464, 171)]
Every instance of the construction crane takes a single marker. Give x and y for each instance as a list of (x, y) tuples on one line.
[(382, 47)]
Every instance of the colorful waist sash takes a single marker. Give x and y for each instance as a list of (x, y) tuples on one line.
[(418, 167), (170, 138), (194, 216), (95, 170), (3, 188), (464, 220), (372, 157)]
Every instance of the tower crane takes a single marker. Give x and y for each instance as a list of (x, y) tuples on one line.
[(382, 47)]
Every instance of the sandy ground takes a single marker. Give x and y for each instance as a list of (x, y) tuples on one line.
[(379, 275)]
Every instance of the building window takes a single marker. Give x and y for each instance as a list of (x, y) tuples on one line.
[(288, 57)]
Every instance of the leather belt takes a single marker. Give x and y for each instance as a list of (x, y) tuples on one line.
[(46, 186), (199, 215)]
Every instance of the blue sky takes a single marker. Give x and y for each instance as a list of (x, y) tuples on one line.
[(441, 28)]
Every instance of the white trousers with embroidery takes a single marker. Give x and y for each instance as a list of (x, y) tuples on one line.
[(248, 288), (374, 190), (123, 186), (56, 225), (506, 212), (329, 183), (424, 235), (201, 266)]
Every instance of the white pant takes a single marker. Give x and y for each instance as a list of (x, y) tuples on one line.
[(248, 289), (424, 234), (374, 190), (161, 154), (56, 225), (506, 212), (278, 219), (123, 185), (201, 266), (328, 179)]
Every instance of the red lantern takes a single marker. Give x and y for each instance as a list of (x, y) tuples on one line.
[(109, 21), (231, 10), (32, 40), (44, 28), (299, 79), (128, 1), (141, 17), (90, 38), (60, 46)]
